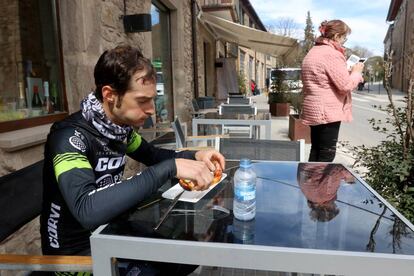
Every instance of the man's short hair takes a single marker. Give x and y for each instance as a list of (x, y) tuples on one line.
[(116, 67)]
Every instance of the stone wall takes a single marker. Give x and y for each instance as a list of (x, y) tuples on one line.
[(9, 48), (402, 44), (88, 28), (182, 61)]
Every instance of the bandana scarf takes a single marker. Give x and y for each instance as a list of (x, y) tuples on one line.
[(326, 41), (93, 112)]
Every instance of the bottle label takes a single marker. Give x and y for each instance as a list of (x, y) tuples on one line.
[(245, 193)]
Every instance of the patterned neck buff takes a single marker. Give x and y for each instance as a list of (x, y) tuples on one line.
[(93, 112)]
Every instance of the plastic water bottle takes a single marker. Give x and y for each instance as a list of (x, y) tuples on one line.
[(244, 203), (243, 231)]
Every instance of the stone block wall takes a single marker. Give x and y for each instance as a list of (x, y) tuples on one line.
[(9, 48)]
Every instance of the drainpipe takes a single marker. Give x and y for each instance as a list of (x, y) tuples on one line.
[(404, 46), (195, 53)]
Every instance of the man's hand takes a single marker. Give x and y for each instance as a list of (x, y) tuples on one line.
[(196, 171), (208, 155)]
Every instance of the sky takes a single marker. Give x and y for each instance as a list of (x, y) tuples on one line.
[(367, 19)]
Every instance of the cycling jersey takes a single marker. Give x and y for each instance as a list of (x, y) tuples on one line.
[(83, 186)]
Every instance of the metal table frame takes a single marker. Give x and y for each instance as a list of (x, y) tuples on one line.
[(234, 122), (105, 247)]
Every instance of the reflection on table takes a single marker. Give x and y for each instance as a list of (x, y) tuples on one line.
[(305, 211)]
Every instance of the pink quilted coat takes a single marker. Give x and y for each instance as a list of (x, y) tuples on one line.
[(327, 85)]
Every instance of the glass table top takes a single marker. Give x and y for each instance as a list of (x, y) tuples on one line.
[(298, 205)]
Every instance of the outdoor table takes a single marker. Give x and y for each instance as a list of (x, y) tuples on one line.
[(310, 218), (213, 118)]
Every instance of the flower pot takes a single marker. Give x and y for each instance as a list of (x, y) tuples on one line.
[(279, 109), (297, 130)]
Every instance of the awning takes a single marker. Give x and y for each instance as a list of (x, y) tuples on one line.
[(264, 42)]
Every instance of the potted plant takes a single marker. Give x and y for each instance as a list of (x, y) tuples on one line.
[(279, 97), (298, 130), (241, 82)]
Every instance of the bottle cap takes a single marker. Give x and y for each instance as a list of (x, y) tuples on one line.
[(46, 88), (245, 163)]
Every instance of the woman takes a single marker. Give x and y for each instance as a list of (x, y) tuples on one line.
[(327, 87)]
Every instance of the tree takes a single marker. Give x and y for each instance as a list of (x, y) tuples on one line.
[(284, 26), (376, 65), (309, 35), (360, 51)]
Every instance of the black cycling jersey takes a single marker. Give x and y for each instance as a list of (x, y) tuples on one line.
[(83, 186)]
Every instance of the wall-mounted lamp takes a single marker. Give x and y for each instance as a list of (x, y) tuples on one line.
[(134, 23)]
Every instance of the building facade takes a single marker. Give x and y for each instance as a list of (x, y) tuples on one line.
[(400, 39)]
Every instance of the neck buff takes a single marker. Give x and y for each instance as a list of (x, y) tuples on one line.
[(326, 41), (94, 113)]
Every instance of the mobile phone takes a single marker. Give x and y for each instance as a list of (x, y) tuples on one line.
[(362, 60)]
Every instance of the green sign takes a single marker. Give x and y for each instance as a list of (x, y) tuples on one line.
[(157, 63)]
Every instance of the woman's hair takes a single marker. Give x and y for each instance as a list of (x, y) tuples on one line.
[(116, 67), (330, 28)]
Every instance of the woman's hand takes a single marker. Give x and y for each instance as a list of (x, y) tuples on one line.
[(358, 67)]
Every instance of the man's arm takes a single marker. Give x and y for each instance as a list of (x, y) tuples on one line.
[(90, 205), (140, 150)]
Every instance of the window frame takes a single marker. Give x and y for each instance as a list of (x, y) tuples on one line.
[(49, 118)]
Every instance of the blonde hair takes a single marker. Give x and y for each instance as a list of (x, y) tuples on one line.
[(331, 28)]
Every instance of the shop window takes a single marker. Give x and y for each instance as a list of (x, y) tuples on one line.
[(241, 62), (161, 58), (31, 89), (250, 68)]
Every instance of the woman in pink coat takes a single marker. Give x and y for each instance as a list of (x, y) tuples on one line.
[(327, 87)]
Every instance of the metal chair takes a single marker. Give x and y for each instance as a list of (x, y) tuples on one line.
[(275, 150), (183, 141), (160, 134), (197, 111), (238, 131)]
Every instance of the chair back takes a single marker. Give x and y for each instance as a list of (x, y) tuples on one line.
[(148, 123), (21, 195), (274, 150), (236, 95), (180, 135), (196, 107), (231, 100), (237, 109)]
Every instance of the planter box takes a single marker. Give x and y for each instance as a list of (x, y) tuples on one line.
[(280, 109), (297, 130)]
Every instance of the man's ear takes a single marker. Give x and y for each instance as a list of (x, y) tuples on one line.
[(108, 94)]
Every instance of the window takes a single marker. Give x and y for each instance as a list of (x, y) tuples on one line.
[(241, 15), (250, 68), (241, 65), (31, 88), (161, 59)]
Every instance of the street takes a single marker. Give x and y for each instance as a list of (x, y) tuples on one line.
[(359, 131)]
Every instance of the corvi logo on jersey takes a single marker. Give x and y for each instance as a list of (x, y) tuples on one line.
[(106, 163), (77, 143)]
